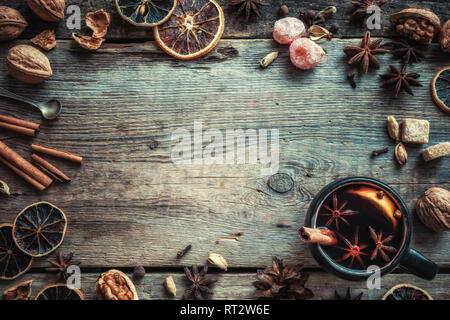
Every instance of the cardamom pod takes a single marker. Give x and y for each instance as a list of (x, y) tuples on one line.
[(393, 128), (170, 286), (218, 261), (326, 12), (267, 60), (317, 32), (4, 188), (400, 154)]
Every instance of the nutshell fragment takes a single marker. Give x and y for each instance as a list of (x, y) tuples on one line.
[(87, 42), (98, 22), (22, 291), (436, 151), (46, 40), (415, 131)]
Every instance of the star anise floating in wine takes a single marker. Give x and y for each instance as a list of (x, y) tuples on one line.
[(353, 250), (199, 284), (247, 7), (400, 80), (381, 245), (282, 282), (61, 265), (337, 212), (360, 10), (406, 51), (364, 55), (348, 296)]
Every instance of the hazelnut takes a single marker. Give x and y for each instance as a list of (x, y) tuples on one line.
[(115, 285), (12, 23), (433, 209)]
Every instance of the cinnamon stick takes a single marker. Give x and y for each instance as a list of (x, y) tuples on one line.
[(20, 163), (26, 177), (320, 236), (19, 129), (20, 123), (57, 153), (51, 168)]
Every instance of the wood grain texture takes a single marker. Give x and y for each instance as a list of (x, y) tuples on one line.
[(239, 286), (236, 27), (128, 204)]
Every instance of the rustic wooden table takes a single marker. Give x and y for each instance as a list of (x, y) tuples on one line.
[(129, 205)]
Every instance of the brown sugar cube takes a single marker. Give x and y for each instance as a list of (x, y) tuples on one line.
[(415, 131), (436, 151)]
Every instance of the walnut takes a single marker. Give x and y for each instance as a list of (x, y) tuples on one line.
[(115, 285), (444, 37), (48, 10), (46, 40), (417, 24), (12, 23), (433, 209), (28, 64)]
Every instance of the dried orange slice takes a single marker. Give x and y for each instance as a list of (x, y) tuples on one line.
[(145, 13), (39, 229), (440, 88), (13, 262), (193, 30), (59, 292), (406, 291)]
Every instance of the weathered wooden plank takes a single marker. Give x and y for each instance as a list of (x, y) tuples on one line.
[(236, 27), (130, 205), (239, 286)]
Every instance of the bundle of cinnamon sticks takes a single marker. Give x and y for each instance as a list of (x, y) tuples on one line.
[(42, 174)]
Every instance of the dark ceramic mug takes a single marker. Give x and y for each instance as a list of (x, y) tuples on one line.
[(406, 257)]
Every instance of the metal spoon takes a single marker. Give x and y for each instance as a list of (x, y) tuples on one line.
[(50, 109)]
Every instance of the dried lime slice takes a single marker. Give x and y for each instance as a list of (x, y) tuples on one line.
[(59, 292), (39, 229), (13, 262), (440, 88), (145, 13)]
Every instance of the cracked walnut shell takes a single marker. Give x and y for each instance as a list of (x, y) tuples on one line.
[(12, 23), (417, 24), (98, 22), (87, 42), (433, 209), (115, 285), (48, 10), (46, 40), (28, 64), (21, 291)]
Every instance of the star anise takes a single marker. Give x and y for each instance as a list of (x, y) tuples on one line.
[(353, 250), (406, 51), (61, 265), (381, 245), (364, 55), (360, 10), (250, 6), (282, 282), (400, 80), (337, 212), (199, 284), (348, 296)]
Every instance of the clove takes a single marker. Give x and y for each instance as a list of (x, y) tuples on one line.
[(376, 153), (182, 253), (351, 79)]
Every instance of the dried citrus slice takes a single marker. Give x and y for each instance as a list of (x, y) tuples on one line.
[(59, 292), (145, 13), (39, 229), (13, 262), (440, 88), (193, 30), (405, 291)]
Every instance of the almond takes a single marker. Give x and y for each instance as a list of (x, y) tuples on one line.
[(393, 128), (400, 154)]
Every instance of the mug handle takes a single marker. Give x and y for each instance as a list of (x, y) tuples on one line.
[(418, 264)]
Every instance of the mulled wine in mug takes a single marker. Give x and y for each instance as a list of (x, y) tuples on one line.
[(359, 222)]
